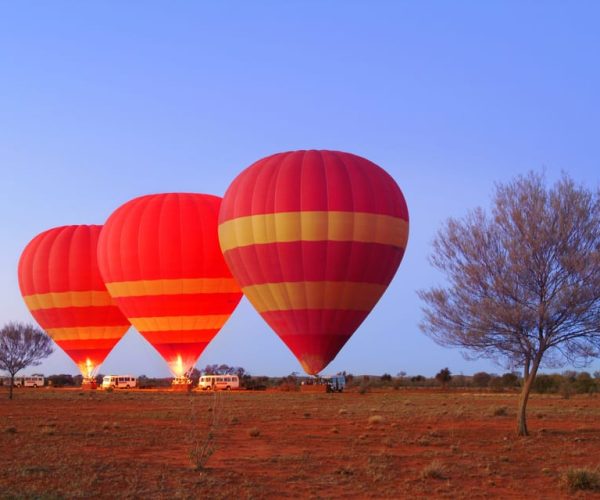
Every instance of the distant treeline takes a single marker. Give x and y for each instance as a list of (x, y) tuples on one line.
[(566, 383)]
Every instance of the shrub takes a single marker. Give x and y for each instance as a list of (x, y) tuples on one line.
[(501, 411), (582, 479), (435, 470), (545, 384), (481, 379)]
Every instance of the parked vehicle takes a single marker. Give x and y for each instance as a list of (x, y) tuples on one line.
[(336, 383), (30, 381), (326, 383), (219, 382), (119, 382)]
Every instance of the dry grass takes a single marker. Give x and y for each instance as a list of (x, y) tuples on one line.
[(376, 419), (501, 411), (582, 479), (434, 470)]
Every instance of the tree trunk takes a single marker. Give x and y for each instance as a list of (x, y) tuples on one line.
[(524, 397), (10, 389)]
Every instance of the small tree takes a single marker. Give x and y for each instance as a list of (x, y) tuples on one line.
[(523, 285), (481, 379), (444, 376), (22, 345)]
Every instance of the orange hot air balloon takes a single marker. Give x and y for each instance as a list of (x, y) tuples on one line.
[(159, 256), (313, 238), (63, 289)]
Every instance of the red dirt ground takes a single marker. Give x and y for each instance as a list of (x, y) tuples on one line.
[(394, 444)]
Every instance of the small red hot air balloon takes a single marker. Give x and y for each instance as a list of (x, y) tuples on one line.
[(159, 256), (313, 238), (63, 289)]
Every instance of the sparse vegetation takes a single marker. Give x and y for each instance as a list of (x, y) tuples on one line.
[(501, 411), (263, 444), (582, 479), (435, 470), (375, 419)]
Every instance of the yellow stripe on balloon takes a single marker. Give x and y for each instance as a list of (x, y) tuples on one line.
[(182, 337), (313, 226), (55, 300), (335, 295), (172, 323), (87, 332), (141, 288)]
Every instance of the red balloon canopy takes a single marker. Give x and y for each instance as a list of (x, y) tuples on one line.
[(160, 258), (63, 289), (313, 238)]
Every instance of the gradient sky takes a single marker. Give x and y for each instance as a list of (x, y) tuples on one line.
[(104, 101)]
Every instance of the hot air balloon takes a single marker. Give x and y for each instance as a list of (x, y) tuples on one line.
[(63, 289), (313, 238), (159, 256)]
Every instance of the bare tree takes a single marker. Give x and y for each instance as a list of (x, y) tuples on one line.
[(523, 284), (22, 345)]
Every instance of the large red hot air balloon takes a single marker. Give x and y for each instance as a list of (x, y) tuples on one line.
[(63, 289), (313, 238), (159, 256)]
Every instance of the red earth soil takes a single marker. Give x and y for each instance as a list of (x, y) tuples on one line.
[(389, 444)]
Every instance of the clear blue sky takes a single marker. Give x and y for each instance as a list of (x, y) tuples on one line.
[(104, 101)]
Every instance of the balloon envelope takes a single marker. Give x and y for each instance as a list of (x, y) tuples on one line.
[(62, 287), (160, 258), (313, 238)]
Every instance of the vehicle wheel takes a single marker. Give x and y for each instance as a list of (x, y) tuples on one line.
[(127, 386), (227, 388), (35, 386)]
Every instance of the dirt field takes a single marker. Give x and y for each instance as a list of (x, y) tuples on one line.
[(395, 444)]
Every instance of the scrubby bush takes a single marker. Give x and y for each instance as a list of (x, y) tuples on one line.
[(481, 379), (582, 479), (547, 384)]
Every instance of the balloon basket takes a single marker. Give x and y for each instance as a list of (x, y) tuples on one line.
[(88, 385), (182, 384)]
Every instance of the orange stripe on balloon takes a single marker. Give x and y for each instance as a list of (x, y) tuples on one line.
[(302, 295), (87, 332), (59, 300), (313, 226), (140, 288), (169, 323)]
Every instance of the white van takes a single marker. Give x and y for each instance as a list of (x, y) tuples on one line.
[(219, 382), (119, 382)]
